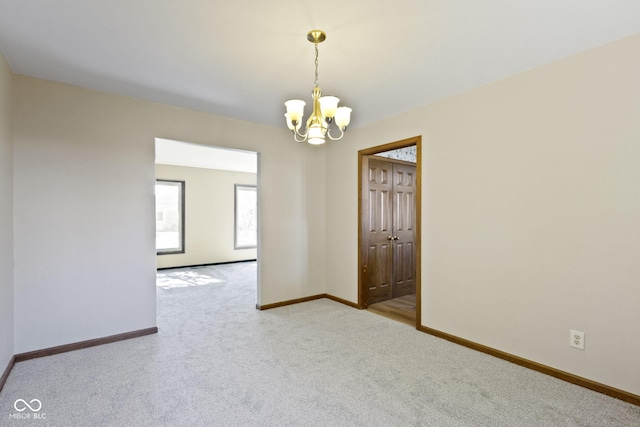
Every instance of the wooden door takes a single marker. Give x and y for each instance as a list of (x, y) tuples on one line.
[(377, 230), (404, 230), (388, 229)]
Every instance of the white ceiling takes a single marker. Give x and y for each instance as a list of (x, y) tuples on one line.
[(243, 58), (179, 153)]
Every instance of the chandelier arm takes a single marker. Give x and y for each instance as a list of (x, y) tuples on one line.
[(299, 137), (331, 137)]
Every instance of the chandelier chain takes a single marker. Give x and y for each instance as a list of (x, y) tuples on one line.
[(316, 82)]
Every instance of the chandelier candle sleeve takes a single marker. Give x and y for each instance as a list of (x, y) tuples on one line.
[(325, 109)]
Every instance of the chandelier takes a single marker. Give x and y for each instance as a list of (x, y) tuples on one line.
[(325, 109)]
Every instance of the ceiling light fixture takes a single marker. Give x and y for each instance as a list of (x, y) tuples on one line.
[(325, 109)]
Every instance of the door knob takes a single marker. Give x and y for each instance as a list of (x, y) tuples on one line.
[(390, 238), (396, 238)]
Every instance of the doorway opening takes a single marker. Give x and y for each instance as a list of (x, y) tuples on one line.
[(216, 221), (389, 229)]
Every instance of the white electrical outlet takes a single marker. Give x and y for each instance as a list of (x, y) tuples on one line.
[(576, 339)]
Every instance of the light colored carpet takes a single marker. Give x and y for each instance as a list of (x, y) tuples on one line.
[(217, 361)]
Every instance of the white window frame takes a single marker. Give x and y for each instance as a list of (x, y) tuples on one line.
[(181, 217), (237, 213)]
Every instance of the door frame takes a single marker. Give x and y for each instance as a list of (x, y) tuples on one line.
[(362, 292)]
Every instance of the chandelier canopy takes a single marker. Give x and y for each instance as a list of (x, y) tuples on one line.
[(325, 109)]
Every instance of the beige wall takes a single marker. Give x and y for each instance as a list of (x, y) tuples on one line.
[(209, 215), (84, 208), (530, 213), (6, 214)]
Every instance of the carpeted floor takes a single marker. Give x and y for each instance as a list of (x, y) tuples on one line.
[(217, 361)]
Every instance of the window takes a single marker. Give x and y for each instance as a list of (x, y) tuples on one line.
[(246, 225), (169, 217)]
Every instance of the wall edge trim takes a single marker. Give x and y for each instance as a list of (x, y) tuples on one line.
[(289, 302), (7, 371), (305, 299), (344, 301), (208, 264), (547, 370), (21, 357)]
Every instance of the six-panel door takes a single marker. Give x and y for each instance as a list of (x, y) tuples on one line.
[(389, 229)]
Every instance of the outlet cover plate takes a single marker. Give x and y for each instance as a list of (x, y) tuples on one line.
[(576, 339)]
